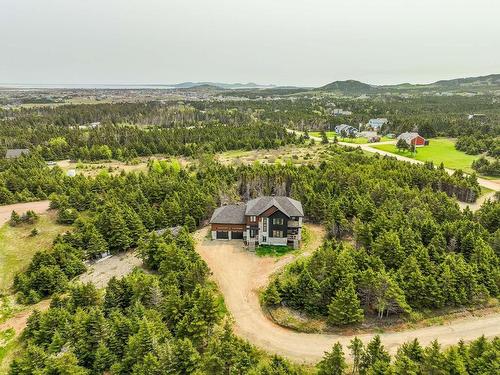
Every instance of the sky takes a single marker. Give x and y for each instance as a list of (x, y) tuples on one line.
[(285, 42)]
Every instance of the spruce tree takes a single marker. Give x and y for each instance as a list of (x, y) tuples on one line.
[(345, 307), (190, 223), (333, 363), (96, 245), (118, 234), (15, 219)]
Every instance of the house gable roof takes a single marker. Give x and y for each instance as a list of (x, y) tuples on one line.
[(408, 136), (230, 214), (16, 152), (288, 206)]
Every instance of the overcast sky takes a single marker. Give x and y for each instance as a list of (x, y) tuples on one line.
[(292, 42)]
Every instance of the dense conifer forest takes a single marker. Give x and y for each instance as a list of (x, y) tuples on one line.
[(398, 243)]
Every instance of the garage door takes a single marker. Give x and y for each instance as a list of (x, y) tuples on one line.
[(237, 235), (222, 235)]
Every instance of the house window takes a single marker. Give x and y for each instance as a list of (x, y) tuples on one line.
[(252, 233), (278, 221), (252, 218), (278, 233), (264, 225)]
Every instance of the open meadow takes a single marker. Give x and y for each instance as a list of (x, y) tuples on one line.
[(18, 245), (439, 150)]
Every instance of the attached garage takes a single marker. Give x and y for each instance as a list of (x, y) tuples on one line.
[(237, 235), (222, 235), (228, 222)]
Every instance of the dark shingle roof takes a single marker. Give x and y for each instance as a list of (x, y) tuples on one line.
[(288, 206), (16, 152), (231, 214)]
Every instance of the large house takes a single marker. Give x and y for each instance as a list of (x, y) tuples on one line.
[(413, 139), (377, 123), (345, 130), (261, 221)]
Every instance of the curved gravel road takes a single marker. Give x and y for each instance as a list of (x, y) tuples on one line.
[(240, 274)]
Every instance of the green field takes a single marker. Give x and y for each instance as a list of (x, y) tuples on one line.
[(440, 150), (17, 246), (329, 134)]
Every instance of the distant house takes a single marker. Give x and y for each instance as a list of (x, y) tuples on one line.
[(264, 220), (345, 129), (413, 139), (377, 123), (341, 112), (14, 153)]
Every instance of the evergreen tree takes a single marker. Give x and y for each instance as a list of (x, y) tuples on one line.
[(375, 355), (345, 307), (190, 223), (357, 351), (333, 363), (185, 358), (117, 233), (96, 245), (15, 219)]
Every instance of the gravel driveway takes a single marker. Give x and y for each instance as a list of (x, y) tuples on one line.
[(240, 274)]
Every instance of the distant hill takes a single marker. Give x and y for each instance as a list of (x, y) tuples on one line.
[(200, 87), (351, 87), (232, 86), (348, 87), (489, 80)]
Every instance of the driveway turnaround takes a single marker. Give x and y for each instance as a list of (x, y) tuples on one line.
[(240, 274)]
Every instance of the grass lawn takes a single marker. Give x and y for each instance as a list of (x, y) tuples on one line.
[(440, 150), (8, 346), (17, 246), (329, 134), (272, 250)]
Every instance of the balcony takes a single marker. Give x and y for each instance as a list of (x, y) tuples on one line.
[(293, 224)]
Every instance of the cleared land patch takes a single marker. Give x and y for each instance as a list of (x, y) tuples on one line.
[(358, 140), (302, 154), (113, 166), (17, 245)]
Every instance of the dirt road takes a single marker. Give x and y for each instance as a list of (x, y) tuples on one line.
[(240, 274), (5, 211)]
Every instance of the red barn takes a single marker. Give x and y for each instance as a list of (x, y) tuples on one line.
[(413, 139)]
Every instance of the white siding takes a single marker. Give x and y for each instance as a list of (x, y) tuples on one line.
[(277, 241)]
